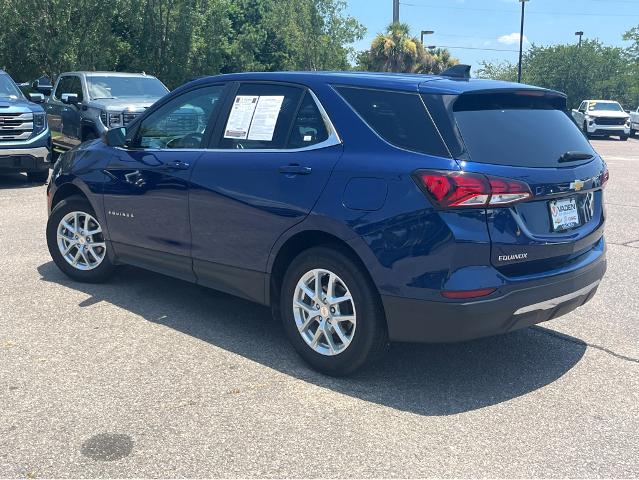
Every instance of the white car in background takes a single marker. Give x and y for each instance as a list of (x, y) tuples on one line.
[(634, 122), (602, 117)]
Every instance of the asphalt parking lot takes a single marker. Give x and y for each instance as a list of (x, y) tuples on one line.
[(147, 376)]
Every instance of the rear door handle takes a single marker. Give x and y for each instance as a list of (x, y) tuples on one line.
[(295, 170), (175, 165)]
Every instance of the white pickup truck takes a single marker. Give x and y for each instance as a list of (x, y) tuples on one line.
[(634, 122), (602, 117)]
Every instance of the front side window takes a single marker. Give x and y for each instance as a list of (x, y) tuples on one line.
[(182, 122), (399, 118), (111, 86), (261, 117), (75, 86), (64, 86)]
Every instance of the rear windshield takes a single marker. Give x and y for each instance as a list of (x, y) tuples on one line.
[(518, 129), (400, 118)]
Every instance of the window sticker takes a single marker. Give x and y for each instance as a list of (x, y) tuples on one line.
[(265, 117), (241, 115)]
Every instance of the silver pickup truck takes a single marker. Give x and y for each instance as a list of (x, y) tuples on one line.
[(83, 105), (602, 118)]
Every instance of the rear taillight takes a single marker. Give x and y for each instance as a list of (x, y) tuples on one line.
[(454, 189)]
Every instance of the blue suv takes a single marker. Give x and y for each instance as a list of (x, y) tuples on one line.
[(362, 207)]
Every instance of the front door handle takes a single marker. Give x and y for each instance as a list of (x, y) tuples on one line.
[(295, 170), (175, 165)]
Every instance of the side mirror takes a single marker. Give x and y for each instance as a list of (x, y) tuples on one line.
[(115, 137), (628, 111), (70, 98), (36, 97)]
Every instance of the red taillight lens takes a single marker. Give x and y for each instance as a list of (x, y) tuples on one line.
[(462, 189)]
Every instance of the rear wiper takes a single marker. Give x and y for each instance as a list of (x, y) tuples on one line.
[(574, 156)]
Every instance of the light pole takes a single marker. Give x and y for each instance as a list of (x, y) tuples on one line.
[(579, 34), (521, 38), (395, 11), (426, 32)]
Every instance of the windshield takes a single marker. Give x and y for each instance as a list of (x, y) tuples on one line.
[(524, 132), (124, 87), (8, 89), (609, 106)]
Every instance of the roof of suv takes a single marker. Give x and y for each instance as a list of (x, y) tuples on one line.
[(393, 81)]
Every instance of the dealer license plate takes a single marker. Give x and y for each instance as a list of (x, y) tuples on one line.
[(564, 214)]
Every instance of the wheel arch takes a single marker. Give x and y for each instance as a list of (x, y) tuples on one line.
[(67, 190), (298, 243)]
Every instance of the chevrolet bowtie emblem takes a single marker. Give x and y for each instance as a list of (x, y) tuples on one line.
[(577, 185)]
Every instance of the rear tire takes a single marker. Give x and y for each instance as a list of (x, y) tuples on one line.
[(76, 241), (38, 177), (623, 138), (313, 327)]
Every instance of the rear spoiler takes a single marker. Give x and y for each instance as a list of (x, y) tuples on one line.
[(457, 71)]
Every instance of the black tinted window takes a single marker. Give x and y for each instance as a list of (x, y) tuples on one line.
[(75, 86), (518, 129), (64, 86), (308, 127), (399, 118), (261, 116)]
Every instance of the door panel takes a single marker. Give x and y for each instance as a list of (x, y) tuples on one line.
[(247, 193), (240, 203), (146, 202)]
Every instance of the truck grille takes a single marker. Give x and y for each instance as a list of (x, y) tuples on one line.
[(610, 121), (128, 117), (15, 126)]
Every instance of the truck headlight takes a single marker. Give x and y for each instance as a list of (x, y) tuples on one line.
[(115, 120), (39, 123)]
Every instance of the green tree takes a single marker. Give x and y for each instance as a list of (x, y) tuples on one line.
[(397, 51), (592, 70)]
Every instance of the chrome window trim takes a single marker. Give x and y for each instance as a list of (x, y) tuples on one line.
[(332, 140)]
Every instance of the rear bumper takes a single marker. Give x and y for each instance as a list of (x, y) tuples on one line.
[(412, 320), (32, 159)]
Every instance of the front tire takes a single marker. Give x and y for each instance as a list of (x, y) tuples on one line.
[(623, 138), (585, 130), (331, 312), (76, 241)]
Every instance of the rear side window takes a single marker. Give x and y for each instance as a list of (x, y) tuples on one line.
[(399, 118), (521, 129), (261, 117)]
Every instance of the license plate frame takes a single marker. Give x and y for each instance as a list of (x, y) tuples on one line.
[(564, 214)]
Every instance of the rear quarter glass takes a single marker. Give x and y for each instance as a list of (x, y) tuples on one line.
[(400, 118)]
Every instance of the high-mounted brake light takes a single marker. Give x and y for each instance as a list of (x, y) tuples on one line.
[(454, 189)]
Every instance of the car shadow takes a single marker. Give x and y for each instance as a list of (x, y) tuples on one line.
[(16, 180), (422, 379)]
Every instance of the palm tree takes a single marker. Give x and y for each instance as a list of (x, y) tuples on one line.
[(397, 51)]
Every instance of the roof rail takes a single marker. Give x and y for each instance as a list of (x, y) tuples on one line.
[(457, 71)]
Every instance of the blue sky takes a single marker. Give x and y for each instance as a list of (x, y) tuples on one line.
[(494, 24)]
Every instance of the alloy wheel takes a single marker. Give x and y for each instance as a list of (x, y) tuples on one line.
[(80, 241), (324, 312)]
